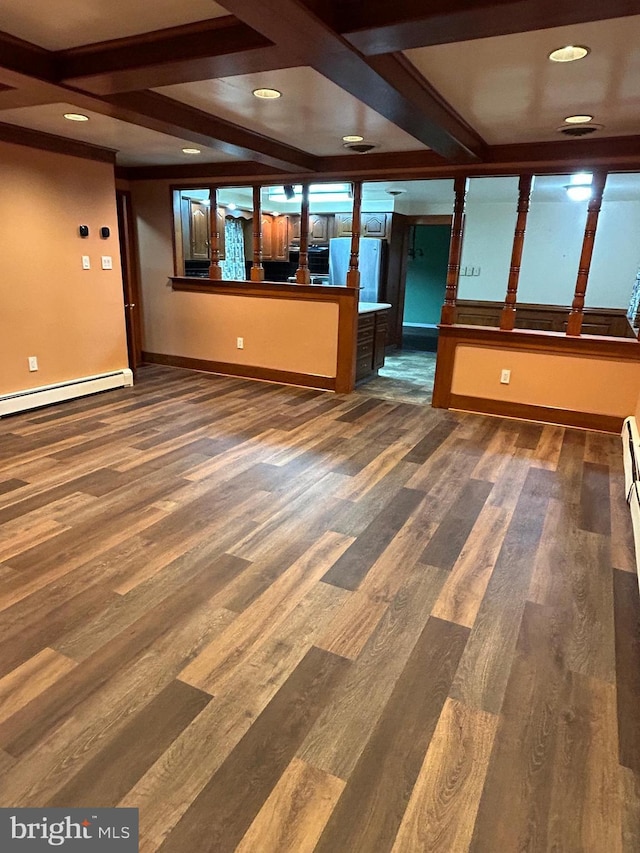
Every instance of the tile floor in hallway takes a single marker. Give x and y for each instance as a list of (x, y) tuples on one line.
[(407, 377)]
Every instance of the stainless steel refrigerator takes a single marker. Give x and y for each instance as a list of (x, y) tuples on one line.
[(369, 264)]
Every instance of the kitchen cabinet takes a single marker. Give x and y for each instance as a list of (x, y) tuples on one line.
[(343, 225), (280, 238), (318, 228), (371, 225), (198, 231), (371, 340), (267, 238)]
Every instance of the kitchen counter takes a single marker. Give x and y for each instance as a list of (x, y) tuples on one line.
[(371, 307), (372, 338)]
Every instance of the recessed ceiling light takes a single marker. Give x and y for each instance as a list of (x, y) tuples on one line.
[(353, 138), (267, 94), (569, 53), (191, 151), (578, 119), (76, 117), (231, 206)]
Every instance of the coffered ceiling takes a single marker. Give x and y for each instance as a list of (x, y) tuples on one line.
[(433, 87)]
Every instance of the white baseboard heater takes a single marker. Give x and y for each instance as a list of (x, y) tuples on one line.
[(45, 395), (631, 458)]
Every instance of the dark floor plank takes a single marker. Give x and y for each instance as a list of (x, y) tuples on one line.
[(630, 803), (224, 810), (11, 485), (484, 669), (517, 797), (627, 622), (595, 514), (431, 442), (337, 740), (369, 812), (21, 731), (361, 409), (105, 779), (585, 772), (453, 531), (351, 568)]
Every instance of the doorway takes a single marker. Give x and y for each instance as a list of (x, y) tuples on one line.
[(425, 285)]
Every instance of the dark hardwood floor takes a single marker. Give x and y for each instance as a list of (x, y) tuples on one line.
[(275, 619)]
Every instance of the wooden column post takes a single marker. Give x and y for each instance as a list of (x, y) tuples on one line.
[(215, 270), (353, 275), (448, 315), (508, 318), (302, 273), (257, 270), (574, 324)]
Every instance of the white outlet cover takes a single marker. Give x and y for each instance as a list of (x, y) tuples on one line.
[(107, 263), (86, 262)]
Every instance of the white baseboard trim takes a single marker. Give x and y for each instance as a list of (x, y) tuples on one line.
[(33, 398)]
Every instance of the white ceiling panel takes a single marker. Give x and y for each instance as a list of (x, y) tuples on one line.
[(509, 91), (313, 113), (69, 23), (136, 146)]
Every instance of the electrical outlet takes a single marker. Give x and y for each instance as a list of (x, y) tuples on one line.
[(33, 363), (86, 262), (240, 343), (505, 377), (476, 270), (107, 263)]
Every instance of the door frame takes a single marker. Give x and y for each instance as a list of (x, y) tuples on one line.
[(130, 280), (412, 221)]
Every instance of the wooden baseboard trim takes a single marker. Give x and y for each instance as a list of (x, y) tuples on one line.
[(246, 371), (545, 414)]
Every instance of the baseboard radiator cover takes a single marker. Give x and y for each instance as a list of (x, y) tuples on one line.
[(46, 395), (630, 454)]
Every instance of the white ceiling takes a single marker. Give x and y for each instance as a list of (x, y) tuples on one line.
[(136, 146), (69, 23), (509, 91), (313, 113)]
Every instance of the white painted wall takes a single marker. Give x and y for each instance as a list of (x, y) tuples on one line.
[(487, 244), (616, 255), (551, 255)]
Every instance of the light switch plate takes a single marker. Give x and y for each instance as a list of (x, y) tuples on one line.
[(86, 262), (107, 263)]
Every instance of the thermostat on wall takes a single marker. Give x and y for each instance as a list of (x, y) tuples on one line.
[(83, 230), (104, 232)]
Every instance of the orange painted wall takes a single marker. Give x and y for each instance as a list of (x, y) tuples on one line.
[(601, 386), (281, 334), (71, 319)]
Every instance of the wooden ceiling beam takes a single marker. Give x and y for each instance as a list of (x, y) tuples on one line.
[(166, 115), (545, 158), (389, 87), (38, 85), (221, 47), (379, 26)]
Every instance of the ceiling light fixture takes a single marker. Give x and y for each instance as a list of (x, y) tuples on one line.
[(570, 53), (578, 119), (76, 117), (353, 138), (579, 186), (267, 94), (191, 151)]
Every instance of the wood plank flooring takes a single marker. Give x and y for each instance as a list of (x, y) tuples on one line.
[(282, 621)]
